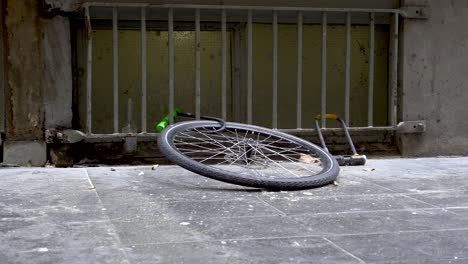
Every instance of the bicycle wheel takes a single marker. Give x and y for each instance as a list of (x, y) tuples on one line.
[(247, 155)]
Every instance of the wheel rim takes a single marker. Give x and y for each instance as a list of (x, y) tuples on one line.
[(248, 152)]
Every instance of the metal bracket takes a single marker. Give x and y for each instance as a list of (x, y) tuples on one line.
[(411, 127), (415, 12), (64, 136)]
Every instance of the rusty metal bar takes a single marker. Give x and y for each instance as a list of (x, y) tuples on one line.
[(197, 65), (393, 72), (171, 63), (223, 65), (115, 49), (348, 67), (299, 70), (143, 71), (370, 99), (89, 72), (275, 71), (249, 67), (324, 69)]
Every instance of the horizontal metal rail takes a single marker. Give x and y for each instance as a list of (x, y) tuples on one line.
[(259, 8), (119, 137)]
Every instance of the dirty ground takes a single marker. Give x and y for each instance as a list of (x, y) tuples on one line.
[(390, 211)]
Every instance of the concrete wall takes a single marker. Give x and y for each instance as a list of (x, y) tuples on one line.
[(434, 83), (38, 81)]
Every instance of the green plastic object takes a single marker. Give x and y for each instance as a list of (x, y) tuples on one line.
[(165, 121)]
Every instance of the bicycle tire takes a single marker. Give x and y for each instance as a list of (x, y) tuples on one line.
[(167, 145)]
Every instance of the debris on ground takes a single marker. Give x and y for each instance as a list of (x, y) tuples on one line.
[(141, 173), (308, 159), (154, 167)]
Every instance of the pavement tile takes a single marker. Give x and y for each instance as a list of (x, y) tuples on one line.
[(411, 247), (347, 185), (382, 221), (40, 180), (104, 255), (257, 251), (444, 199), (416, 175), (157, 229), (122, 205), (148, 229), (23, 234), (336, 204), (175, 184), (213, 209)]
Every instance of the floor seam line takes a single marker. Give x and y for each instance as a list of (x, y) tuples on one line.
[(344, 250)]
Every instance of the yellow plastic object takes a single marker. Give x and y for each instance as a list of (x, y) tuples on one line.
[(328, 117)]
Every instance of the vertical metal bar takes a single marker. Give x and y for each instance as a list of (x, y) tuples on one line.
[(393, 71), (324, 69), (143, 70), (370, 99), (299, 71), (223, 65), (171, 63), (115, 45), (249, 67), (348, 67), (275, 71), (197, 64), (89, 72)]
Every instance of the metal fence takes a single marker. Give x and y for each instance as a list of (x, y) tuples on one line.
[(220, 15)]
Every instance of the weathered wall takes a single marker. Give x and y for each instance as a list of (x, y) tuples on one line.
[(434, 83), (58, 84), (24, 70), (38, 80)]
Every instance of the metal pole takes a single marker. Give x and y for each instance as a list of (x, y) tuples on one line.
[(249, 67), (370, 100), (348, 67), (143, 70), (171, 64), (115, 44), (197, 64), (393, 72), (275, 71), (299, 71), (223, 65), (89, 72), (324, 69)]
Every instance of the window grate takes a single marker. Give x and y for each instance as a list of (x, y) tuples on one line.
[(327, 17)]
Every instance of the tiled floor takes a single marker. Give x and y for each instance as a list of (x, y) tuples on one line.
[(390, 211)]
